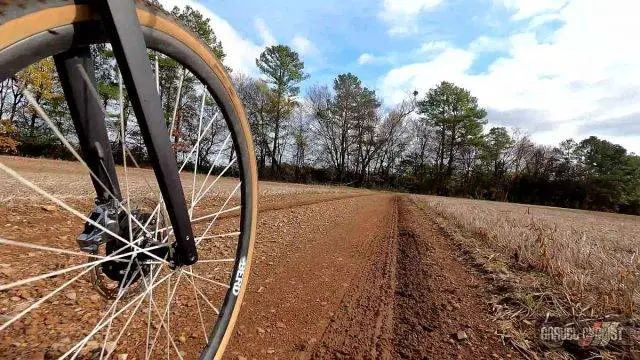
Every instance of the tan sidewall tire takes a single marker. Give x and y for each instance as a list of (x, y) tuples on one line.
[(42, 20)]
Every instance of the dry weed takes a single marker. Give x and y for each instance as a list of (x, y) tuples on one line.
[(547, 262)]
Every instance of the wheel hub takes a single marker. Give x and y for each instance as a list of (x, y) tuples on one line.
[(124, 270)]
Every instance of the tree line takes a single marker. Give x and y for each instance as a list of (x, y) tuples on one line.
[(341, 133)]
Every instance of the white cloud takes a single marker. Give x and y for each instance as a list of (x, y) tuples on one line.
[(524, 9), (367, 58), (433, 46), (264, 33), (400, 15), (241, 52), (450, 65), (580, 73), (489, 44), (304, 46)]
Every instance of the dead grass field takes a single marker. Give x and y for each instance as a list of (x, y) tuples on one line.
[(551, 261)]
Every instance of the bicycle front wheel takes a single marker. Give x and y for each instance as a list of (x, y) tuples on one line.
[(59, 301)]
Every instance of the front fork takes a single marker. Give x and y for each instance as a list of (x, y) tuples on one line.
[(75, 69)]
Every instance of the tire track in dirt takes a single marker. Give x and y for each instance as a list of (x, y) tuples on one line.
[(281, 205), (416, 299), (364, 326), (276, 203), (306, 260)]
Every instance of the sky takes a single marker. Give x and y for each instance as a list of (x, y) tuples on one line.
[(555, 69)]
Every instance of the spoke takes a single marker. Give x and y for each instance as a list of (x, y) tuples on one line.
[(72, 210), (125, 149), (120, 294), (198, 292), (206, 217), (94, 93), (82, 343), (104, 323), (216, 217), (184, 163), (146, 349), (236, 233), (46, 248), (155, 307), (215, 260), (199, 261), (204, 131), (195, 296), (214, 181), (204, 297), (195, 166), (177, 104), (169, 300), (43, 299), (124, 158), (64, 141), (215, 161), (76, 267), (166, 311), (205, 279), (157, 72), (135, 163)]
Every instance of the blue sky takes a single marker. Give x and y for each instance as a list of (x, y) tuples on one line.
[(552, 68)]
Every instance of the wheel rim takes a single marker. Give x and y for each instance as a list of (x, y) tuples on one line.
[(160, 279)]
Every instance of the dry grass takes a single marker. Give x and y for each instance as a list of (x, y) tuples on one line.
[(593, 256), (547, 262)]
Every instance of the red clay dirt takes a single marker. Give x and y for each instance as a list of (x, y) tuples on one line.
[(336, 275), (362, 278)]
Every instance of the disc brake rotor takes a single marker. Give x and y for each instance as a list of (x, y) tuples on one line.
[(122, 274)]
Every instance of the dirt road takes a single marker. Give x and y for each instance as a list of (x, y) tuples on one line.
[(364, 277), (337, 274)]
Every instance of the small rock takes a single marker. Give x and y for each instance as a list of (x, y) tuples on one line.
[(49, 207), (71, 295), (38, 356), (95, 297), (7, 271), (15, 298), (123, 356), (182, 338), (271, 350), (280, 325), (461, 335), (260, 330), (92, 345), (240, 357), (109, 347)]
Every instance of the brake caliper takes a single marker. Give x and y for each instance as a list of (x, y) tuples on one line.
[(105, 215)]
